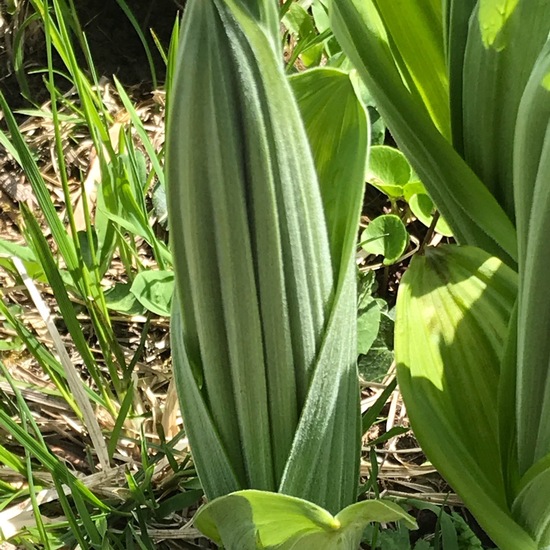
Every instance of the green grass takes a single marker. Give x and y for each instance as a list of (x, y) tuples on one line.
[(130, 485)]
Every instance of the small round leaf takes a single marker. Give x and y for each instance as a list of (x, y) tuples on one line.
[(422, 207), (389, 170), (386, 236)]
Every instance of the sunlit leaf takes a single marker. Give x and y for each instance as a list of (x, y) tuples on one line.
[(248, 520)]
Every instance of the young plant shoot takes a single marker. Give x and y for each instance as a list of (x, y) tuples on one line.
[(264, 318)]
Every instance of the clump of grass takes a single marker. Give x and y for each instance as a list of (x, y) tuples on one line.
[(84, 447)]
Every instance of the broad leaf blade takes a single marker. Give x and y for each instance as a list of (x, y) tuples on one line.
[(337, 127), (504, 41), (417, 26), (248, 520), (532, 173), (334, 397), (455, 189), (453, 309), (242, 185)]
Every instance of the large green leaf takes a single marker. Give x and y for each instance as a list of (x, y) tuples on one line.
[(504, 41), (218, 123), (472, 212), (337, 127), (264, 353), (417, 26), (531, 176), (248, 520), (453, 309)]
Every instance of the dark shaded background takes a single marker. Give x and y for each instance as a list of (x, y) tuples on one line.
[(115, 46)]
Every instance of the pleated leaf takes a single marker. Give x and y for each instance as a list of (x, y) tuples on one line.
[(338, 131), (337, 126), (264, 319), (504, 41), (252, 263), (457, 14), (531, 177), (473, 214), (329, 431), (417, 26), (453, 309)]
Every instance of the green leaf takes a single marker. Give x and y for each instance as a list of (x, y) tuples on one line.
[(388, 539), (416, 25), (319, 9), (120, 298), (389, 170), (468, 207), (311, 56), (377, 124), (368, 322), (386, 236), (500, 55), (457, 14), (337, 127), (333, 397), (493, 16), (413, 188), (250, 520), (254, 309), (298, 21), (123, 202), (19, 149), (24, 253), (154, 290), (375, 364), (220, 476), (423, 208), (531, 175), (453, 309), (531, 505), (178, 502), (160, 208)]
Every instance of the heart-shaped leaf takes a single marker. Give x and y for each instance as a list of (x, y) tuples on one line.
[(423, 208)]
